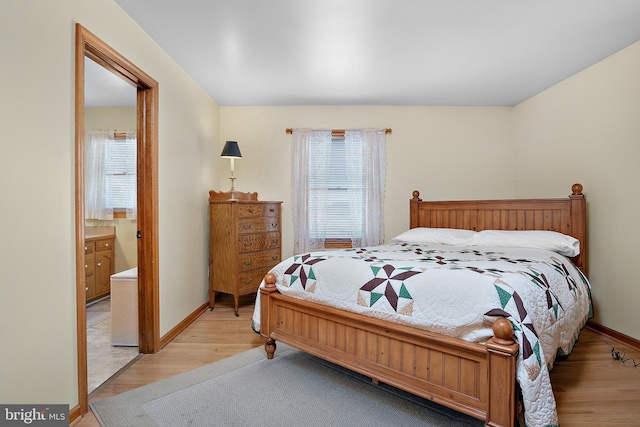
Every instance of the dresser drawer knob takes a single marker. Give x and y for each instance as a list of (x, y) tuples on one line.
[(272, 210), (106, 245), (274, 224), (99, 264), (273, 258), (247, 244), (86, 266), (248, 263), (247, 281), (274, 241), (246, 226), (251, 210)]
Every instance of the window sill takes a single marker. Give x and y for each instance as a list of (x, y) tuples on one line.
[(337, 244)]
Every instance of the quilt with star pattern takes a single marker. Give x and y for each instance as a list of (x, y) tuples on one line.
[(459, 292)]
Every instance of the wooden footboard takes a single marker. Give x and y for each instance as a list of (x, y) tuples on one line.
[(476, 379)]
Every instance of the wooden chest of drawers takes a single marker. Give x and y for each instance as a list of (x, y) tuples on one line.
[(244, 243)]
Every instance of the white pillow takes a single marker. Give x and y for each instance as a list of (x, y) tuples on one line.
[(538, 239), (436, 236)]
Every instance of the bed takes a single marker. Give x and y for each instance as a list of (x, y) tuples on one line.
[(486, 371)]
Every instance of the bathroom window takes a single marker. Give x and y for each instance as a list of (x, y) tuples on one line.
[(110, 175)]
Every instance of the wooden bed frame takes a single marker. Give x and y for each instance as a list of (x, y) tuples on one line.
[(476, 379)]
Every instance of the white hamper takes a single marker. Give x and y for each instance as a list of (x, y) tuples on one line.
[(124, 308)]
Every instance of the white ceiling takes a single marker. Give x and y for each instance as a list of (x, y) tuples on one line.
[(104, 89), (385, 52)]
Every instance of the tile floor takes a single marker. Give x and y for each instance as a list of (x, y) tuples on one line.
[(103, 359)]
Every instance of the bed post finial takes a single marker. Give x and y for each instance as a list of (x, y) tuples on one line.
[(270, 282), (576, 189), (502, 331), (414, 204)]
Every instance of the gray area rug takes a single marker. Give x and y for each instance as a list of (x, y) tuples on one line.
[(293, 389)]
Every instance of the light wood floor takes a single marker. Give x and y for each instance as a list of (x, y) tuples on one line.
[(591, 388)]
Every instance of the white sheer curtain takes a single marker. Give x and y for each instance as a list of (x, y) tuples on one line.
[(362, 169), (96, 205), (308, 223), (131, 195), (366, 152), (110, 177)]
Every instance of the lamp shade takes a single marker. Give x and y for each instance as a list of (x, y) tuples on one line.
[(230, 150)]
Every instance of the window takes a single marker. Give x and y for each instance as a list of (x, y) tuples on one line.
[(330, 190), (110, 175), (120, 174), (338, 188)]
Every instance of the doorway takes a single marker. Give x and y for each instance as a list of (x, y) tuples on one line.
[(110, 209), (90, 46)]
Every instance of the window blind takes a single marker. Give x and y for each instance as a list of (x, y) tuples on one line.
[(335, 191), (120, 173)]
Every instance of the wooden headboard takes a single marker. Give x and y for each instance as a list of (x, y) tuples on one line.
[(567, 216)]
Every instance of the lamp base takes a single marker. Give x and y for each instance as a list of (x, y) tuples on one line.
[(233, 196)]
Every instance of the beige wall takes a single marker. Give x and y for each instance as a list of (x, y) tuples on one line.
[(120, 119), (444, 152), (38, 363), (587, 129)]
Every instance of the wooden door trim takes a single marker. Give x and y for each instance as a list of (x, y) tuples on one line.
[(88, 45)]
